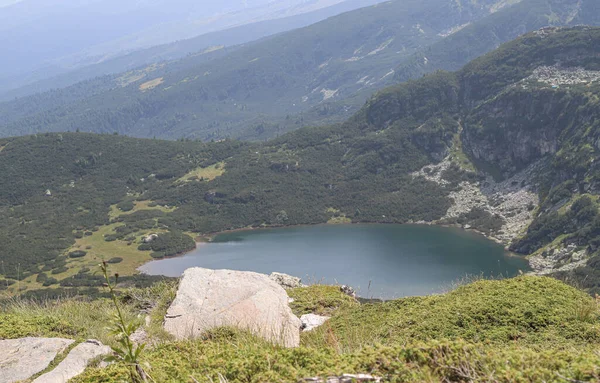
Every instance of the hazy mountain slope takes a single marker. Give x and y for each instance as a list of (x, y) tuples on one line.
[(65, 35), (527, 113), (66, 75), (277, 77), (484, 35)]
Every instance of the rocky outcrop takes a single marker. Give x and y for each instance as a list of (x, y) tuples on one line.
[(557, 75), (511, 201), (75, 363), (286, 281), (208, 299), (558, 258), (22, 358), (312, 321)]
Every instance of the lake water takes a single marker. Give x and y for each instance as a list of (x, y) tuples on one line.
[(380, 261)]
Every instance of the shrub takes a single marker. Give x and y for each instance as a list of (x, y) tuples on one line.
[(50, 281), (59, 270), (172, 243), (77, 254), (126, 205), (41, 278)]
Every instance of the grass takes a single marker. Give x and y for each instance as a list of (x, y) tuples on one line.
[(319, 299), (537, 312), (138, 205), (207, 174), (458, 155), (72, 318), (98, 250), (337, 217), (151, 84), (525, 329)]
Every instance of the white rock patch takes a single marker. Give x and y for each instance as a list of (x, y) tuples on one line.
[(312, 321), (511, 199), (22, 358), (328, 93), (75, 363), (556, 75)]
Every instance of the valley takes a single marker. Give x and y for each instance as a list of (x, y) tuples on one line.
[(477, 148), (385, 191)]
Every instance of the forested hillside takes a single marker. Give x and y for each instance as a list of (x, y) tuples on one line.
[(509, 140), (315, 75)]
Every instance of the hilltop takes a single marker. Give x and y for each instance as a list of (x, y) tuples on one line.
[(506, 146), (319, 74)]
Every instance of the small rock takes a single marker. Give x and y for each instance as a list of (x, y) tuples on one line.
[(149, 238), (348, 290), (208, 299), (286, 281), (75, 363), (312, 321), (139, 336), (22, 358)]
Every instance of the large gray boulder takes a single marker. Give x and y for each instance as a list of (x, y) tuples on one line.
[(207, 299), (75, 363), (22, 358)]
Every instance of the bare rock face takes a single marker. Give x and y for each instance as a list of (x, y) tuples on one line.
[(286, 281), (22, 358), (207, 299), (75, 363), (312, 321)]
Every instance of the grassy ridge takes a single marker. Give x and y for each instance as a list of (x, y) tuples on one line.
[(525, 329)]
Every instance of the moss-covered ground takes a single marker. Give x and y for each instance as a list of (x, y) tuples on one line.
[(525, 329)]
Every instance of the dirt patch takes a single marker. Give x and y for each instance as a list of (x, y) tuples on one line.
[(151, 84)]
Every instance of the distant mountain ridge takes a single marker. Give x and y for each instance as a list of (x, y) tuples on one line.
[(270, 80), (66, 35), (52, 78)]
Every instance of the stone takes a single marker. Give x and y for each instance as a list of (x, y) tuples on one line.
[(312, 321), (348, 290), (22, 358), (149, 238), (139, 336), (286, 281), (75, 363), (207, 299)]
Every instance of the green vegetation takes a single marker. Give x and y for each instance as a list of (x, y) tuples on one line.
[(525, 329), (208, 173), (108, 191), (126, 351), (170, 244)]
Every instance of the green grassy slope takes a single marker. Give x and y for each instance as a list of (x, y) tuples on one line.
[(526, 329)]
